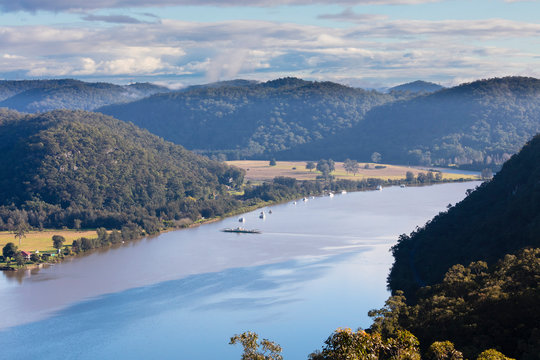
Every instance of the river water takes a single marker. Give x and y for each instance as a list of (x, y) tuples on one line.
[(317, 265)]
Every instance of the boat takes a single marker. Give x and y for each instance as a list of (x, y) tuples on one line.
[(305, 199), (262, 216), (241, 230), (269, 211), (402, 185), (331, 194), (294, 203), (379, 187), (242, 220), (343, 192)]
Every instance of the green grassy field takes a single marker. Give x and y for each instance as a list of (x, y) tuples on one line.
[(42, 240)]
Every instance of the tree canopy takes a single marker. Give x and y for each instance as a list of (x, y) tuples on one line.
[(475, 307), (478, 125), (69, 168), (251, 120), (501, 217), (45, 95)]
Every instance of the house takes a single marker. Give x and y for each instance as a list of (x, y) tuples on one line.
[(26, 254)]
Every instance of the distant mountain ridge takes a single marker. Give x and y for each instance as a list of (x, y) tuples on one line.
[(476, 124), (417, 86), (44, 95), (218, 84), (251, 120)]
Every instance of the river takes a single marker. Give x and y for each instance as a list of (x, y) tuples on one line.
[(317, 265)]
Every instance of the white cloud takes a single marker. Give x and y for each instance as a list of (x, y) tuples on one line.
[(11, 56), (78, 5), (87, 67), (115, 19), (349, 15), (379, 50)]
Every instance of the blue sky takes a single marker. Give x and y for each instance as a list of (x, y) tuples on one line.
[(365, 43)]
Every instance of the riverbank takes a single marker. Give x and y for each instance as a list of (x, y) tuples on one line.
[(297, 191), (207, 284), (42, 239), (40, 242)]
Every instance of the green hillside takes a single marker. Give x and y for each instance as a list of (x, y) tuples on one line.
[(76, 168), (500, 217), (44, 95), (479, 124), (242, 119), (479, 307)]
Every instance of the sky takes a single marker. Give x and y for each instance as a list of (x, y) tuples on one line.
[(361, 43)]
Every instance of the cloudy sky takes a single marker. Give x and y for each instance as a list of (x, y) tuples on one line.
[(365, 43)]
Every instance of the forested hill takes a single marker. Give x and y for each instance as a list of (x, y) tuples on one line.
[(418, 86), (480, 123), (77, 168), (225, 83), (45, 95), (500, 217), (251, 119)]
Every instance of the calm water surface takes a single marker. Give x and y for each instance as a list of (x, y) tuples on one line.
[(317, 265)]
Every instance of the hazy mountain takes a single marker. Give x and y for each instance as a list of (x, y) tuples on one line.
[(63, 166), (418, 86), (44, 95), (251, 119), (227, 83), (480, 124)]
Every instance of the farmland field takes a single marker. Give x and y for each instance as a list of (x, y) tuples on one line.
[(42, 240), (259, 170)]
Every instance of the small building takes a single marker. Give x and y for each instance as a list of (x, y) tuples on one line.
[(26, 254)]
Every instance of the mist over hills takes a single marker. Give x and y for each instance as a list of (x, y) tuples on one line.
[(44, 95)]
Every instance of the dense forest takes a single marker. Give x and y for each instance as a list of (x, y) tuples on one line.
[(475, 125), (82, 169), (243, 119), (500, 217), (479, 307), (44, 95), (476, 312), (479, 124)]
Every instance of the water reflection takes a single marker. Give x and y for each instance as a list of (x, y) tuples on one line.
[(316, 266), (20, 274), (262, 293)]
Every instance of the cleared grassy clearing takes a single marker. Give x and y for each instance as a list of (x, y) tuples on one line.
[(42, 240), (257, 170)]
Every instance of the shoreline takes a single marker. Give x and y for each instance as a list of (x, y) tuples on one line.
[(242, 210)]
